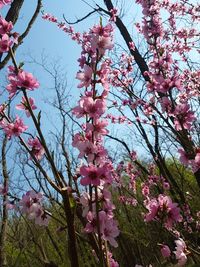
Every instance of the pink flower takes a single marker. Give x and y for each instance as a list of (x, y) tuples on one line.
[(37, 148), (91, 175), (112, 262), (101, 44), (132, 46), (4, 2), (5, 43), (183, 158), (109, 228), (98, 128), (113, 12), (152, 206), (87, 149), (13, 128), (93, 108), (165, 251), (21, 80), (183, 117), (163, 209), (24, 105), (5, 26), (145, 190), (28, 199), (180, 251), (31, 205), (42, 219), (169, 209), (26, 80), (85, 77)]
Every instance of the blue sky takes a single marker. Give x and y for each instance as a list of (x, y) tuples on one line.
[(45, 38)]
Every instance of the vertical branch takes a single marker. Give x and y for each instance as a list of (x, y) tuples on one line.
[(4, 223), (69, 213)]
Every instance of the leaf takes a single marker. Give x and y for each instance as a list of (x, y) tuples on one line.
[(72, 202), (101, 23), (21, 64)]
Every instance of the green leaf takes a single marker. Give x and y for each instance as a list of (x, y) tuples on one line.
[(21, 64), (101, 23), (72, 202)]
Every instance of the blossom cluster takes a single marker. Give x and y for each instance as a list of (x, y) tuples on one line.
[(76, 36), (180, 252), (164, 210), (97, 171), (193, 163), (31, 205), (7, 37), (20, 79)]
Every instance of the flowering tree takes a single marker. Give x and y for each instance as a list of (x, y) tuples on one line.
[(155, 97)]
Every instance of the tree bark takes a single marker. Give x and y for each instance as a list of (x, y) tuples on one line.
[(3, 234)]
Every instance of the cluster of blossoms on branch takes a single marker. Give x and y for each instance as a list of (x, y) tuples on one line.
[(97, 173), (21, 81), (180, 252), (172, 85), (7, 37), (167, 88), (30, 205), (193, 163), (76, 36), (159, 208)]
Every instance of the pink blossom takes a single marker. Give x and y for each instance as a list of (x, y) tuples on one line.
[(98, 128), (13, 128), (170, 209), (165, 251), (180, 251), (87, 149), (101, 43), (183, 158), (30, 204), (28, 199), (152, 207), (87, 105), (23, 80), (37, 148), (24, 105), (5, 26), (184, 117), (4, 2), (84, 200), (91, 175), (113, 12), (145, 190), (163, 208), (109, 228), (26, 80), (100, 30), (132, 46), (112, 262), (85, 77), (5, 43)]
